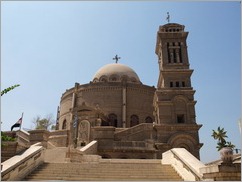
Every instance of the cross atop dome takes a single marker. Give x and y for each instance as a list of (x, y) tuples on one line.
[(116, 58)]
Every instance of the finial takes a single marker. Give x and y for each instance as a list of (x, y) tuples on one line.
[(116, 58), (168, 17)]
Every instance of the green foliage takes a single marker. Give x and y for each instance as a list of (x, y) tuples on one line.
[(9, 89), (220, 135), (4, 137)]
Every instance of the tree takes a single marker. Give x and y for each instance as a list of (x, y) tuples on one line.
[(43, 123), (9, 89), (220, 135)]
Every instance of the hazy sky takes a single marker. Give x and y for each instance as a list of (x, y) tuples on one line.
[(48, 46)]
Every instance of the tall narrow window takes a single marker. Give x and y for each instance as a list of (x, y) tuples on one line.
[(175, 56), (177, 84), (171, 84), (148, 119), (183, 84), (134, 120), (180, 54), (64, 125), (113, 120), (169, 53)]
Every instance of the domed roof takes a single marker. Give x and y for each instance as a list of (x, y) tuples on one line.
[(116, 73)]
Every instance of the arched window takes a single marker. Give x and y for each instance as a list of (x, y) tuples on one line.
[(134, 120), (113, 78), (113, 120), (181, 110), (64, 125), (148, 119), (103, 78)]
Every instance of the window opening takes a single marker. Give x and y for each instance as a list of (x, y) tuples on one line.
[(171, 84), (180, 118)]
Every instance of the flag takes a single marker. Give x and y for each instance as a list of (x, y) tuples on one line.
[(17, 124)]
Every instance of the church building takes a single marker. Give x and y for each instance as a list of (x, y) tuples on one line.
[(129, 119)]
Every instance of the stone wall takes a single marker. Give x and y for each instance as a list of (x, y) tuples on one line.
[(109, 98), (8, 150)]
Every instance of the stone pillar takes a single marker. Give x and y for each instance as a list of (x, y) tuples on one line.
[(39, 136), (124, 106)]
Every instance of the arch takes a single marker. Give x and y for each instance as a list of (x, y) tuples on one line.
[(132, 79), (95, 80), (183, 140), (180, 97), (124, 78), (113, 121), (134, 120), (148, 119), (83, 133), (103, 78), (64, 125), (114, 78), (180, 108), (185, 146)]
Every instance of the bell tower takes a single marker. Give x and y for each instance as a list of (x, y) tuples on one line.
[(174, 98), (174, 91)]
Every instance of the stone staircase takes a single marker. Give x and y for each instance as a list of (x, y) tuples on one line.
[(106, 170)]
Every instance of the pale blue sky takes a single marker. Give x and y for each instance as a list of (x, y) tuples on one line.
[(48, 46)]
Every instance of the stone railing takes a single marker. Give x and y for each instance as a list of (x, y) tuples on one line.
[(23, 138), (90, 149), (17, 167), (137, 145), (184, 163), (57, 138), (131, 132), (87, 154)]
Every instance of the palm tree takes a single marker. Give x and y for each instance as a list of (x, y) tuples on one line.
[(220, 135)]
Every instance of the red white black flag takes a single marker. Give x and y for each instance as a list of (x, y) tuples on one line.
[(17, 124)]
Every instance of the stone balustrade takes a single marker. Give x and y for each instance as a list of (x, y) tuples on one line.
[(184, 163), (17, 167)]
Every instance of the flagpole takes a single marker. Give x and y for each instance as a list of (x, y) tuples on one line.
[(22, 121)]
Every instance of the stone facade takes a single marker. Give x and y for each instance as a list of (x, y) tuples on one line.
[(130, 119)]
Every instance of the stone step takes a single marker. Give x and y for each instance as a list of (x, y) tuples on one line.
[(104, 171), (106, 175), (99, 179), (81, 177)]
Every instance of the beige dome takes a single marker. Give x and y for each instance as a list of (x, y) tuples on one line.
[(116, 73)]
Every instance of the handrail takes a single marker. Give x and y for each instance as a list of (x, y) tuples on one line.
[(185, 163), (19, 166), (133, 130), (188, 167)]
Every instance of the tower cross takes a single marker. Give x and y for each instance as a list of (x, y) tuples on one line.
[(116, 58), (168, 17)]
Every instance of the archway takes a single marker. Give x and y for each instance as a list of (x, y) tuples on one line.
[(134, 120)]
